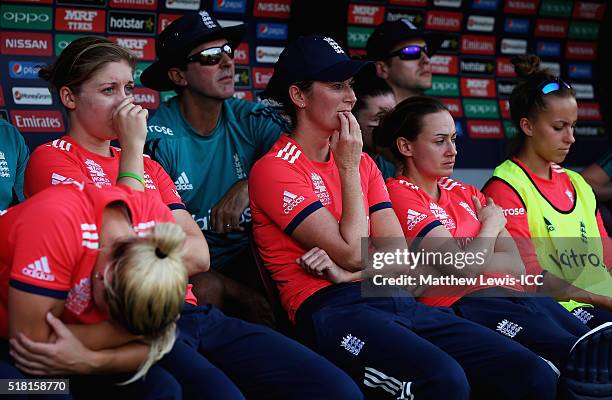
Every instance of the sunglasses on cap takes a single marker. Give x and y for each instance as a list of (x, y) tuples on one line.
[(552, 85), (212, 55), (412, 52)]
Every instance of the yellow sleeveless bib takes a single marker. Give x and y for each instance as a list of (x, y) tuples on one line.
[(567, 243)]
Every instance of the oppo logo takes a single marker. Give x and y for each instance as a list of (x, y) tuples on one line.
[(480, 108), (359, 36), (22, 17), (444, 86)]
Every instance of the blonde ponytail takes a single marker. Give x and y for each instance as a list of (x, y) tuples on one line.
[(145, 288)]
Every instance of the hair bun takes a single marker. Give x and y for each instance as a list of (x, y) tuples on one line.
[(159, 253), (526, 65)]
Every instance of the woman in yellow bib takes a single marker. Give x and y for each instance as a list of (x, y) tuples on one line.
[(551, 211)]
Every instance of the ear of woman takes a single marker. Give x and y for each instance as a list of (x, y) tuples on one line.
[(404, 146), (67, 97)]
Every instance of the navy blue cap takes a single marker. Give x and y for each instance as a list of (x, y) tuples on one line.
[(388, 34), (311, 58), (179, 38)]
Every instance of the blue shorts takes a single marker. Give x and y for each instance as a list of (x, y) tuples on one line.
[(219, 357), (537, 322), (395, 347)]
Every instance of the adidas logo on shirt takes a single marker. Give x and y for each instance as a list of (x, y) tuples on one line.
[(57, 179), (448, 183), (289, 153), (39, 269), (413, 218), (182, 183), (89, 236), (549, 226), (61, 144), (290, 201)]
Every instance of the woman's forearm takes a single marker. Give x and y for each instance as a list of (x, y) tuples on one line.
[(353, 222), (103, 335)]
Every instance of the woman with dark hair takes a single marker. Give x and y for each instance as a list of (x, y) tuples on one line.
[(374, 98), (440, 214), (552, 212), (315, 196)]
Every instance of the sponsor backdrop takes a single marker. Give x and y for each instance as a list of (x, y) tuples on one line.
[(472, 72), (473, 75)]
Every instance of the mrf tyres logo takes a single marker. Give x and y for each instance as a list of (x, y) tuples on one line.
[(477, 87), (79, 20), (131, 23), (364, 14), (142, 48)]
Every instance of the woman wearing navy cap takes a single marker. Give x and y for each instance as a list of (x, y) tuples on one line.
[(314, 196)]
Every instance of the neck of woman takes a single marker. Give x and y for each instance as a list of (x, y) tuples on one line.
[(89, 142), (534, 162), (427, 183), (314, 142)]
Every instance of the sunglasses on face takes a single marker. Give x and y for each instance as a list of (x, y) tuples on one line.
[(412, 52), (212, 55), (553, 85)]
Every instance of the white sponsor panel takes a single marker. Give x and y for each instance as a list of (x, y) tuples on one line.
[(512, 212), (183, 4), (480, 23), (229, 22), (513, 46), (32, 95), (267, 54), (584, 91), (587, 131), (554, 67), (447, 3)]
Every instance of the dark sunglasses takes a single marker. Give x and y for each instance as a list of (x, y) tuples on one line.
[(553, 85), (412, 52), (212, 55)]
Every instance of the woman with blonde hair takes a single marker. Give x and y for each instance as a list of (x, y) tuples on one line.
[(97, 276)]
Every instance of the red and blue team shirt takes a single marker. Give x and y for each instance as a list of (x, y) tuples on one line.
[(558, 190), (418, 214), (64, 159), (285, 187), (49, 244)]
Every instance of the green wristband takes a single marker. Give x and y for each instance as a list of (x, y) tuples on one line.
[(133, 176)]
